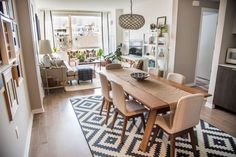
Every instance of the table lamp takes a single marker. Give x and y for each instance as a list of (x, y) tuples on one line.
[(45, 49)]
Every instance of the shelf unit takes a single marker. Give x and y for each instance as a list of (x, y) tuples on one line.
[(155, 48)]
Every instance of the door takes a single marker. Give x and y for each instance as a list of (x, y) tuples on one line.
[(209, 18)]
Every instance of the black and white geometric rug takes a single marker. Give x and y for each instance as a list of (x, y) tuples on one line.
[(105, 142)]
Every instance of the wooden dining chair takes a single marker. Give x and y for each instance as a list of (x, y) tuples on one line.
[(113, 66), (107, 95), (177, 78), (126, 108), (182, 121)]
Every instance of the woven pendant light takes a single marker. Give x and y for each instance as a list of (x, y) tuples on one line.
[(131, 21)]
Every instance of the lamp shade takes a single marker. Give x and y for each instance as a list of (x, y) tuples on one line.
[(45, 47), (131, 21)]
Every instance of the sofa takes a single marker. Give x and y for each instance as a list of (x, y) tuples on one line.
[(59, 71), (83, 54)]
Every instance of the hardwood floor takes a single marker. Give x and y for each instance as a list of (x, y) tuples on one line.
[(57, 133)]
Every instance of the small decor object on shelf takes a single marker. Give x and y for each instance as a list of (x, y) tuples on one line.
[(153, 27), (131, 21), (161, 21), (139, 76), (162, 29)]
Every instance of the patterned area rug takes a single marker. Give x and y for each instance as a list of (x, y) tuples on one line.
[(105, 142)]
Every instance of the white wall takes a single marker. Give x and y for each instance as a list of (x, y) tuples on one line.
[(206, 43), (150, 9)]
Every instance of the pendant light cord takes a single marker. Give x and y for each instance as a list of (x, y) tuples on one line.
[(131, 6)]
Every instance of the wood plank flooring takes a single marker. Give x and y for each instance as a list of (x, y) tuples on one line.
[(57, 133)]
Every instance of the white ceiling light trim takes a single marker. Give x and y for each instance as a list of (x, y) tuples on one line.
[(131, 21)]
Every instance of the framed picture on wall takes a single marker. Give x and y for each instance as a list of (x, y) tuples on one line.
[(6, 8), (10, 93), (161, 21)]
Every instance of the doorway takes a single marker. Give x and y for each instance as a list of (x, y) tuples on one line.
[(206, 44)]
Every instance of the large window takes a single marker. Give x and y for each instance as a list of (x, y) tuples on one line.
[(77, 31)]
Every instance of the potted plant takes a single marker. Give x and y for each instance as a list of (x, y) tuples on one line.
[(81, 57), (162, 29), (100, 53), (111, 57)]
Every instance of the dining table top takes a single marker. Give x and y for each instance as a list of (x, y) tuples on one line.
[(154, 92)]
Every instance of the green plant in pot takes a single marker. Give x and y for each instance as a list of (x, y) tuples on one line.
[(162, 29), (81, 57), (100, 53), (114, 56)]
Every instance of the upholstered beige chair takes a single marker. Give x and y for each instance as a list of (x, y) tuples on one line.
[(126, 108), (177, 78), (182, 121), (106, 93), (113, 66)]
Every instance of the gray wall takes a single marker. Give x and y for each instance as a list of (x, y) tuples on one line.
[(228, 39), (187, 35)]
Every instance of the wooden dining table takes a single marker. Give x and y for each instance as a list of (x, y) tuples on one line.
[(155, 93)]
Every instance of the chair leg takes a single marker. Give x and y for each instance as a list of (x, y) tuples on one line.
[(143, 121), (108, 112), (114, 119), (172, 145), (124, 129), (103, 102), (193, 143)]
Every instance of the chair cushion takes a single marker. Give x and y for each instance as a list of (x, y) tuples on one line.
[(133, 107)]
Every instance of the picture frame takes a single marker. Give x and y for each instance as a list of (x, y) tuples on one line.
[(6, 8), (161, 21), (15, 36), (10, 93)]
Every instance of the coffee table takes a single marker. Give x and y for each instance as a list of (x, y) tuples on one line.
[(95, 62)]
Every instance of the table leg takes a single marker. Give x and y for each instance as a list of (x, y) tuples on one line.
[(147, 133)]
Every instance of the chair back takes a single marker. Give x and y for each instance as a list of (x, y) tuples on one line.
[(177, 78), (105, 86), (187, 113), (118, 97), (113, 66)]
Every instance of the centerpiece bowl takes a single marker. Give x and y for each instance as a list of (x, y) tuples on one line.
[(140, 76)]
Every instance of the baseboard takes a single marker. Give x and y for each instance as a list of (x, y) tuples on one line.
[(36, 111), (28, 139), (210, 105)]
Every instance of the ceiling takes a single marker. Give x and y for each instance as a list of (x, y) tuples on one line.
[(97, 5)]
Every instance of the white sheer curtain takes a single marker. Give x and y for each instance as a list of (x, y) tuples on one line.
[(46, 27), (105, 32)]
